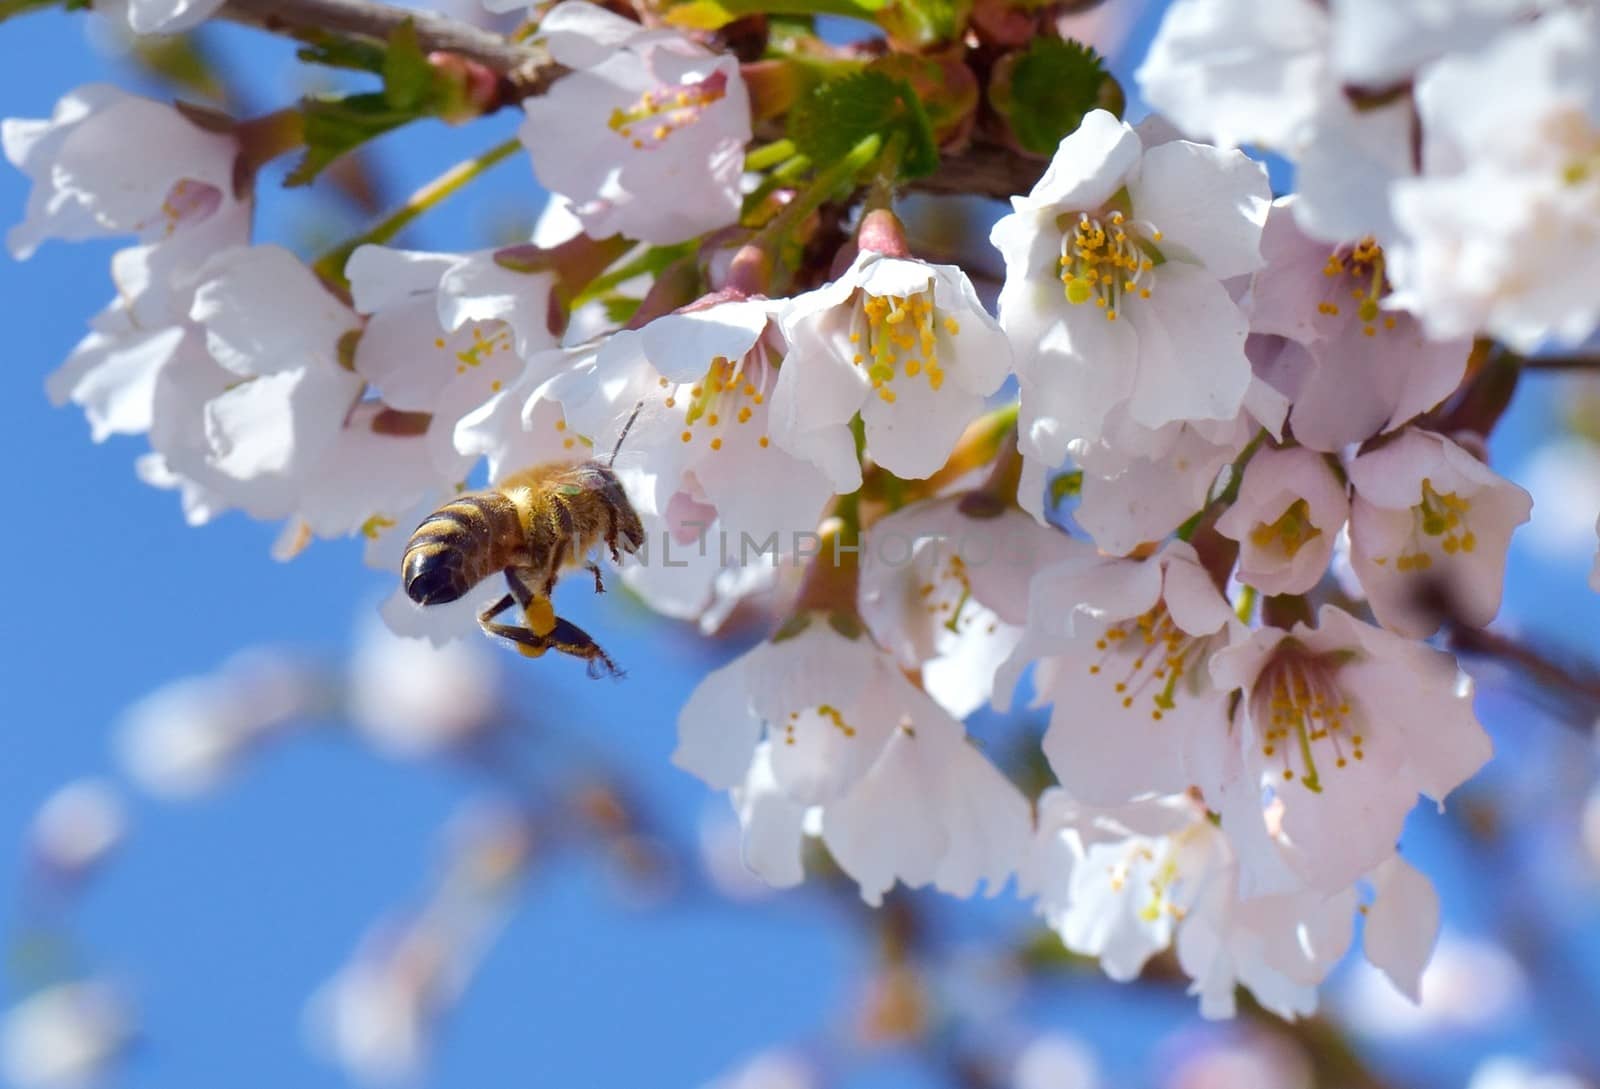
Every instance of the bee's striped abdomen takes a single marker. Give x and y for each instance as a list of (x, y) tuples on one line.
[(459, 545)]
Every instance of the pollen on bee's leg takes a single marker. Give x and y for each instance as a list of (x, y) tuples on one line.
[(540, 615)]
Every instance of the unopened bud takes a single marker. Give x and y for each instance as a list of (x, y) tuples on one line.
[(882, 232), (470, 89)]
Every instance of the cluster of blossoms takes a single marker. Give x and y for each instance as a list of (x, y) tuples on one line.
[(1266, 410)]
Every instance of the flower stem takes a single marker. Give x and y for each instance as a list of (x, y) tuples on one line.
[(262, 139), (1230, 493), (822, 188), (771, 155), (330, 266), (786, 172)]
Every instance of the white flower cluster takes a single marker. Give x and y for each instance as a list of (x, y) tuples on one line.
[(1251, 392), (1461, 137)]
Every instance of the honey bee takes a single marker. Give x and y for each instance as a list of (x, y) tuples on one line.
[(532, 526)]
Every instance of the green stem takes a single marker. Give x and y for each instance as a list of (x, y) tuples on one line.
[(820, 191), (1230, 493), (881, 195), (330, 266), (782, 175), (651, 261), (771, 155)]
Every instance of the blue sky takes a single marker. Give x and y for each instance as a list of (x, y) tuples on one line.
[(224, 914)]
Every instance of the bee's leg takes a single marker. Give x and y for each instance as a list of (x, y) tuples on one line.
[(528, 643), (563, 636), (568, 638), (594, 569), (537, 611), (488, 615)]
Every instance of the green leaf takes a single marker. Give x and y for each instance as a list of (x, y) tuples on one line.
[(619, 309), (407, 75), (837, 115), (1045, 90), (335, 125), (715, 14)]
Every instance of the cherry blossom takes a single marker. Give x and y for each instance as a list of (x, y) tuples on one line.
[(1500, 227), (77, 827), (1240, 71), (185, 738), (376, 1017), (1125, 647), (1141, 484), (68, 1034), (1286, 518), (109, 163), (1367, 367), (1125, 883), (646, 137), (900, 792), (1338, 730), (1113, 293), (447, 333), (160, 16), (1429, 528), (945, 585), (411, 698), (277, 332), (905, 343), (1115, 883), (704, 445)]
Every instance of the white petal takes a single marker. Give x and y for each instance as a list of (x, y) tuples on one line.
[(1402, 924), (1210, 205), (717, 731)]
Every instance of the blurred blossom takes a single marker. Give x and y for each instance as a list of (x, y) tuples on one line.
[(1255, 1062), (376, 1017), (1055, 1061), (64, 1036), (769, 1070), (371, 1017), (1564, 477), (409, 697), (183, 739), (1470, 985), (1505, 1072), (77, 827)]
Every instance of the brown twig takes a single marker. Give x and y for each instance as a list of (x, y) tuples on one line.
[(1578, 362), (524, 70), (982, 169), (1576, 688)]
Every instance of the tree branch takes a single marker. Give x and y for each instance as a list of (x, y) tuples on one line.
[(524, 70), (988, 170), (1572, 689)]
